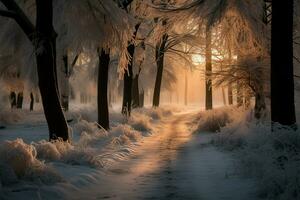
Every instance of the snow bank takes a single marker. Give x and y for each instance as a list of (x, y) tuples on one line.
[(272, 157), (18, 161)]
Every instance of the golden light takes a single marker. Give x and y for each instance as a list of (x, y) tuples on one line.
[(198, 59)]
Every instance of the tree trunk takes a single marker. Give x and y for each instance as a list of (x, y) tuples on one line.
[(230, 94), (135, 92), (102, 99), (13, 100), (46, 40), (20, 100), (159, 56), (208, 72), (64, 93), (127, 90), (282, 72), (31, 101)]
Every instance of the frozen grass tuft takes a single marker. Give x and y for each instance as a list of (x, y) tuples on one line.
[(124, 135), (52, 150), (140, 122), (66, 153), (89, 133), (18, 161)]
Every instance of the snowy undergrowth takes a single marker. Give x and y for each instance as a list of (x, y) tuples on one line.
[(18, 161), (90, 146), (214, 120), (272, 157)]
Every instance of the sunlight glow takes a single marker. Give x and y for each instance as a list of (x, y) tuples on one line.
[(198, 59)]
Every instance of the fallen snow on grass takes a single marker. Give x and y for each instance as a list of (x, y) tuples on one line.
[(18, 160), (214, 120), (272, 157)]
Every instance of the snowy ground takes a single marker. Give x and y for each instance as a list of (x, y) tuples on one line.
[(169, 163)]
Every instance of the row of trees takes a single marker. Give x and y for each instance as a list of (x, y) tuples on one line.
[(106, 40), (231, 36)]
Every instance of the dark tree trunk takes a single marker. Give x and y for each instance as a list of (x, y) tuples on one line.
[(20, 100), (159, 56), (102, 98), (64, 95), (127, 90), (282, 72), (135, 92), (31, 101), (13, 99), (208, 72), (230, 94), (46, 67)]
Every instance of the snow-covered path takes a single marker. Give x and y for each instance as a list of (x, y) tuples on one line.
[(172, 164)]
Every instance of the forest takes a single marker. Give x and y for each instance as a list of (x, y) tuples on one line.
[(150, 99)]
